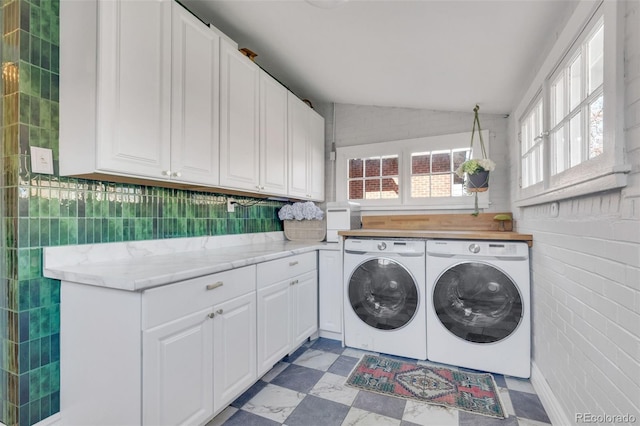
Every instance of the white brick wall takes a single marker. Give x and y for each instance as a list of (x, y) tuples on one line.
[(586, 277), (359, 124)]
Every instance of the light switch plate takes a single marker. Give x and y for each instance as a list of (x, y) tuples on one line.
[(41, 160)]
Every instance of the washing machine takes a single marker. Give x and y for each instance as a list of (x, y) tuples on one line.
[(478, 305), (384, 298)]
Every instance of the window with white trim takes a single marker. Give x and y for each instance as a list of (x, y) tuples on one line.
[(570, 130), (418, 173), (532, 146)]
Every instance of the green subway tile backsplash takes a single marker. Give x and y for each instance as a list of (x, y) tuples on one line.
[(40, 211)]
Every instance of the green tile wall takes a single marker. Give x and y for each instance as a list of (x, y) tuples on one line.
[(42, 210)]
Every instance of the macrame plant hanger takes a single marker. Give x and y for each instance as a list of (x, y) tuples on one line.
[(476, 123)]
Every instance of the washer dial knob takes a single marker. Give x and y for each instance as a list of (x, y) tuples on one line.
[(474, 248), (382, 245)]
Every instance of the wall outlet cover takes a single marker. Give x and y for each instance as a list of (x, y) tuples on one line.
[(41, 160)]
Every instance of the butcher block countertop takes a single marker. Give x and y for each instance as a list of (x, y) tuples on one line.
[(439, 226), (445, 235)]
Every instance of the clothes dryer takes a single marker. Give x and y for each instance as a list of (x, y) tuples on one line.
[(478, 306), (384, 298)]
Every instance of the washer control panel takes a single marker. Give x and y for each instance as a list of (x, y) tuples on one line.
[(478, 248), (365, 245)]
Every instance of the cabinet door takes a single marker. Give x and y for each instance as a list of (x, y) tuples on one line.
[(273, 136), (330, 290), (234, 353), (315, 170), (177, 371), (298, 151), (195, 99), (305, 307), (239, 112), (274, 324), (133, 87)]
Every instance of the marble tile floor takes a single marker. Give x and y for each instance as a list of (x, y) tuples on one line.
[(307, 389)]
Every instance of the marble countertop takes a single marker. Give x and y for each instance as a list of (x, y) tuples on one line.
[(141, 265)]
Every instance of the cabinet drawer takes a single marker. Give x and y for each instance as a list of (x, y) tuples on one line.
[(281, 269), (173, 301)]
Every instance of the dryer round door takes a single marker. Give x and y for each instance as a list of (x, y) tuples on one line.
[(477, 302), (383, 294)]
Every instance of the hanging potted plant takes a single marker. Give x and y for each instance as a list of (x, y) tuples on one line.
[(476, 170)]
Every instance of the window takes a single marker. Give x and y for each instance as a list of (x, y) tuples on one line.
[(532, 147), (413, 172), (576, 103), (373, 178), (573, 111)]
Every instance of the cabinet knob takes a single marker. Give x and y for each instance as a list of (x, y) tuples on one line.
[(294, 282), (177, 174), (219, 312), (214, 285), (294, 263), (166, 172), (211, 315)]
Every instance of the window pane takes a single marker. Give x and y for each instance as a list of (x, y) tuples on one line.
[(355, 168), (460, 157), (420, 186), (441, 162), (372, 189), (420, 163), (390, 166), (441, 185), (557, 101), (596, 60), (356, 190), (575, 83), (595, 128), (390, 188), (372, 167), (575, 138), (558, 150)]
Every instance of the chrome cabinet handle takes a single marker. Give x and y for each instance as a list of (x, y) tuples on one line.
[(294, 263), (214, 285), (294, 282)]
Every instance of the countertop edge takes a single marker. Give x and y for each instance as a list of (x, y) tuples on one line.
[(86, 273)]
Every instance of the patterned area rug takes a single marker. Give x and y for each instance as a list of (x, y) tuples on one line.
[(475, 393)]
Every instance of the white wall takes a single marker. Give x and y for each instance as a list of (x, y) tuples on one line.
[(358, 124), (586, 277)]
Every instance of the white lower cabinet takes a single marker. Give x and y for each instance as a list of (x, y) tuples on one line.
[(180, 353), (178, 372), (199, 346), (330, 293), (287, 306), (234, 349)]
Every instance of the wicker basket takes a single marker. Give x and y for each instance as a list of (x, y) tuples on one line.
[(305, 230)]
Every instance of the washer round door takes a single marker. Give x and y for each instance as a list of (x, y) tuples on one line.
[(383, 294), (477, 302)]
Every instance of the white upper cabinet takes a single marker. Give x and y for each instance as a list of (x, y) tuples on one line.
[(306, 151), (239, 127), (195, 103), (148, 91), (134, 65), (273, 136), (115, 87)]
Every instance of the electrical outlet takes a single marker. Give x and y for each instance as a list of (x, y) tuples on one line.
[(231, 205), (41, 160)]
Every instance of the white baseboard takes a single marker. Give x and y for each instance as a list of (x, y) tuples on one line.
[(331, 335), (549, 401)]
